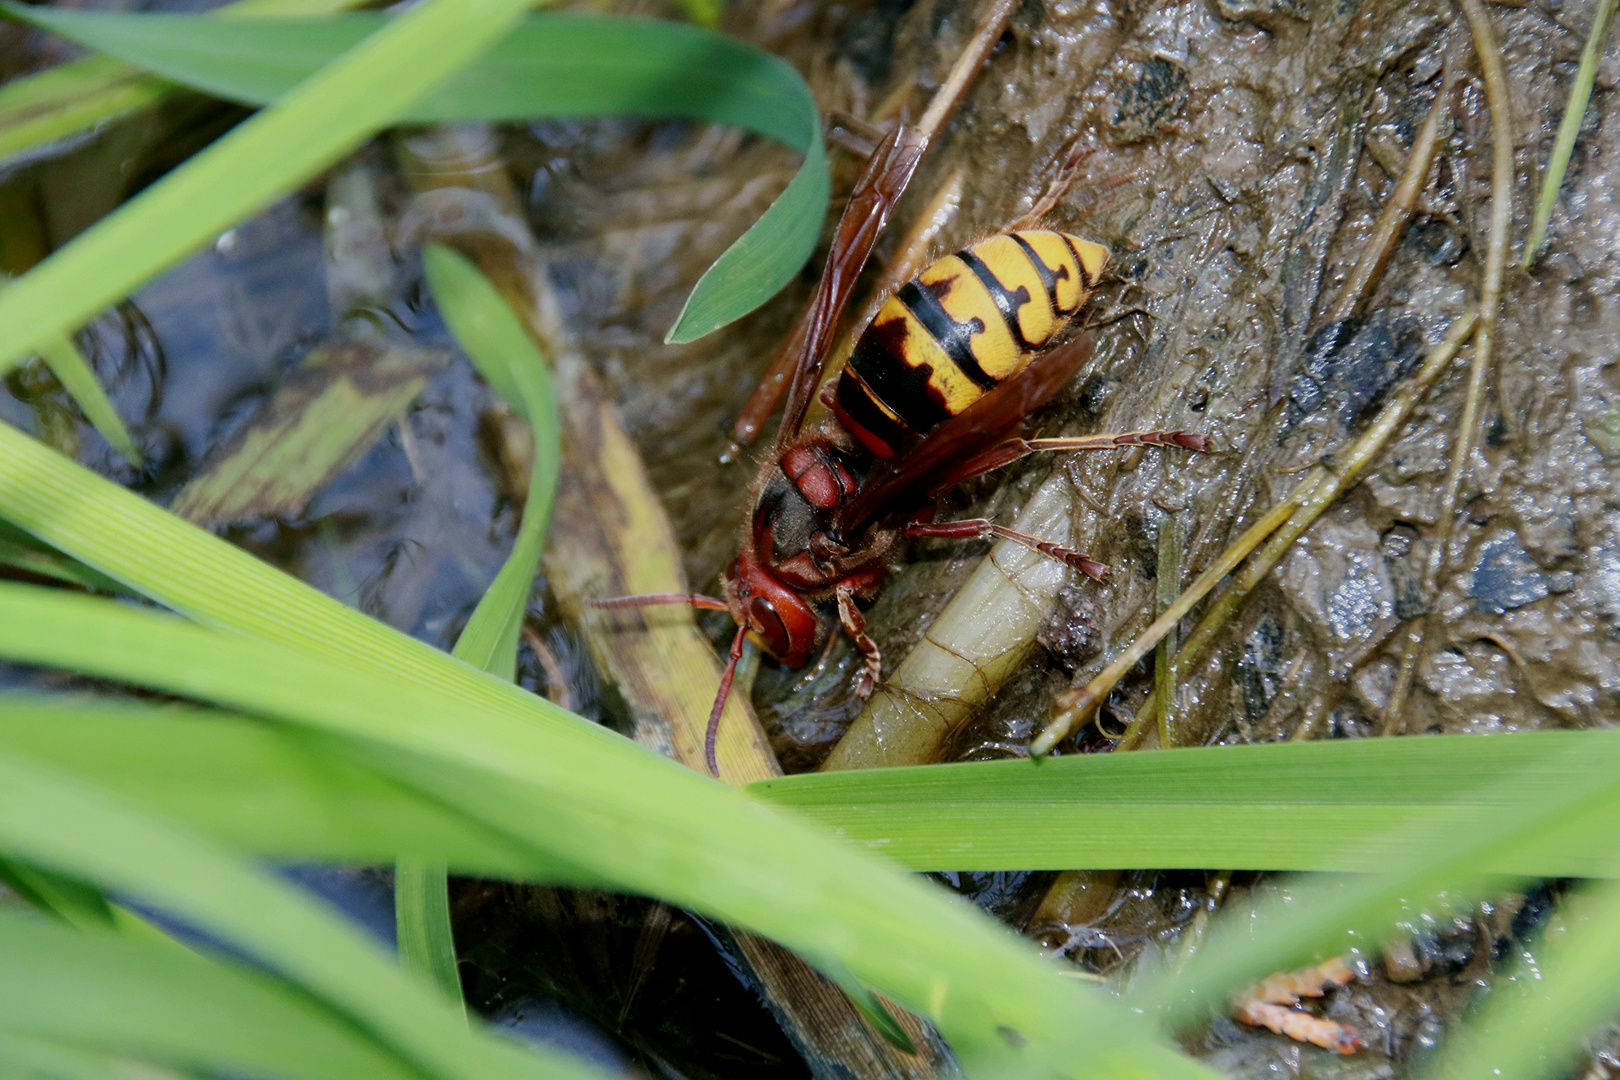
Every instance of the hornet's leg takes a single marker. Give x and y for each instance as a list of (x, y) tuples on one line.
[(854, 624), (983, 528), (1005, 453)]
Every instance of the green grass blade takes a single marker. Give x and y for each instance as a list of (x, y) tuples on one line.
[(1341, 805), (157, 555), (173, 1006), (751, 271), (646, 824), (71, 901), (427, 943), (1554, 798), (270, 790), (81, 95), (73, 371), (56, 821), (1531, 1026), (21, 1056), (267, 155), (496, 341), (552, 65), (1580, 95), (288, 794), (19, 549)]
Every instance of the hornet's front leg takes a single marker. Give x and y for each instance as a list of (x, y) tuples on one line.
[(854, 624)]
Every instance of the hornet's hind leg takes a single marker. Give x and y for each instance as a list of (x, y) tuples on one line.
[(1011, 450)]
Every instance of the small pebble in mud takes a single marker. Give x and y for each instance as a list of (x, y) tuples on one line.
[(1504, 576), (1603, 432), (1156, 97), (1405, 573), (1438, 241), (1260, 671), (1266, 14), (1069, 634), (1349, 364)]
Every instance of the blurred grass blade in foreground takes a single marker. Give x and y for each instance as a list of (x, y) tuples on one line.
[(495, 341), (645, 824), (78, 97), (266, 156), (1339, 805), (551, 65), (62, 824), (1563, 990)]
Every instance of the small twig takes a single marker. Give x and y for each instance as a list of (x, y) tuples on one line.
[(1358, 287), (557, 691), (1580, 95), (967, 65), (1345, 472), (1320, 706), (1410, 655), (1194, 935), (1164, 660), (1075, 704), (1490, 300)]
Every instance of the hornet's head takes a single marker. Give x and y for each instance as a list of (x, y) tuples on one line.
[(778, 619)]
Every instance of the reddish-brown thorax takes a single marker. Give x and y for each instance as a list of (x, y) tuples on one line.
[(794, 558)]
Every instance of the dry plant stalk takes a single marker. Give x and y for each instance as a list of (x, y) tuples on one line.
[(1358, 287), (1490, 298), (1467, 439)]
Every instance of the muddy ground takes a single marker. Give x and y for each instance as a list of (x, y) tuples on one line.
[(1236, 154)]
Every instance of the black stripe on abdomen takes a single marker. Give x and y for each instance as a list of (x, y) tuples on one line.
[(954, 337), (880, 360), (877, 430), (1007, 303), (1049, 276)]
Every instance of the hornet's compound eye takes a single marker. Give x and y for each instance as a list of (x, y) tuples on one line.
[(764, 621)]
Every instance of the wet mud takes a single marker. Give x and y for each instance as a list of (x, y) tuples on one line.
[(1235, 156)]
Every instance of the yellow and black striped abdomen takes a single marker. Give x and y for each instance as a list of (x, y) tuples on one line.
[(956, 330)]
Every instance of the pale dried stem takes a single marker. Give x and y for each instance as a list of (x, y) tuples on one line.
[(1358, 287), (967, 65), (1490, 300), (1410, 653)]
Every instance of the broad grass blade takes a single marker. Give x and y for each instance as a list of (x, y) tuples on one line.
[(323, 117), (552, 65)]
